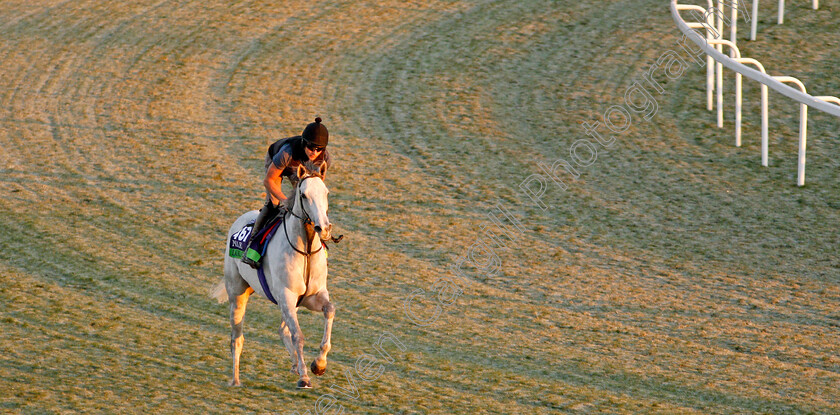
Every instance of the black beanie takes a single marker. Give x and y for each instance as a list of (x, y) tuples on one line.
[(315, 133)]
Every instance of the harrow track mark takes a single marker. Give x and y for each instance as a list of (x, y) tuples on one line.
[(674, 276)]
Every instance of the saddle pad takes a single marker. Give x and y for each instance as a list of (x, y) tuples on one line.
[(259, 243), (238, 248), (239, 239)]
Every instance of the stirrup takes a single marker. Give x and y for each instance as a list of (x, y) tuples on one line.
[(250, 262)]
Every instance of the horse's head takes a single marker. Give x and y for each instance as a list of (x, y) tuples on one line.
[(311, 198)]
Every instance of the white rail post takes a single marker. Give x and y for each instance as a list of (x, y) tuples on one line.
[(719, 77), (803, 128), (764, 122), (719, 14), (754, 22), (738, 100), (710, 67), (815, 4), (781, 11), (733, 34), (709, 26)]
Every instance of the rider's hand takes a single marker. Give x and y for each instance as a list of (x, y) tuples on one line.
[(278, 201)]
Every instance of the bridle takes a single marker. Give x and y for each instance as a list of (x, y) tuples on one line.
[(306, 220)]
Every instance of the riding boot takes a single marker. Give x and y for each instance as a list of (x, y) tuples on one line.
[(252, 257)]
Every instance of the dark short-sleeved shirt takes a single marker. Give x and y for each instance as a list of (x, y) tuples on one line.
[(288, 153)]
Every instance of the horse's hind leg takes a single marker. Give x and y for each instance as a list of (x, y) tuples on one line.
[(321, 302), (238, 293)]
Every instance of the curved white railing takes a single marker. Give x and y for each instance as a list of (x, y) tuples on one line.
[(714, 50)]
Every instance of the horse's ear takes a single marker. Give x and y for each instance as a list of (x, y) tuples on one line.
[(322, 168), (301, 171)]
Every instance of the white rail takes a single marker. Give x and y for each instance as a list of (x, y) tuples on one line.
[(714, 50)]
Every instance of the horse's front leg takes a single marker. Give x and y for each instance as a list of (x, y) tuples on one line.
[(321, 302), (289, 307), (287, 341)]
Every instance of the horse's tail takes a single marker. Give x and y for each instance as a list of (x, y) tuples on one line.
[(219, 292)]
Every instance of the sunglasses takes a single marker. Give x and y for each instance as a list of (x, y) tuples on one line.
[(313, 147)]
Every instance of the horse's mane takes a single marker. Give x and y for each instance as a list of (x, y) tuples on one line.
[(312, 169)]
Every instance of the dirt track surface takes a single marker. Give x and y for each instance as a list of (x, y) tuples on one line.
[(675, 275)]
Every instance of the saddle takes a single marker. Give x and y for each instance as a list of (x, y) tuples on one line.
[(256, 250)]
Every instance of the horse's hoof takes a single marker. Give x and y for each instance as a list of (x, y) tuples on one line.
[(304, 384), (234, 382), (317, 371)]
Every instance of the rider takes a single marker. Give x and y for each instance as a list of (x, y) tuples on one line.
[(282, 160)]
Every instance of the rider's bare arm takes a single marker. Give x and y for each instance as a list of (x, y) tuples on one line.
[(272, 183)]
